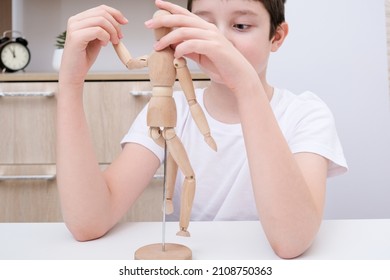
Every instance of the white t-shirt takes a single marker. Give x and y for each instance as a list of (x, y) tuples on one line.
[(223, 184)]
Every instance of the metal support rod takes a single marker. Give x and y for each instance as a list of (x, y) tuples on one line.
[(164, 197)]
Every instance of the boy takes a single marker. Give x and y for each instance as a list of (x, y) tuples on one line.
[(275, 149)]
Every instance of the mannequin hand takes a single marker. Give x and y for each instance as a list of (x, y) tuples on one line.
[(87, 32)]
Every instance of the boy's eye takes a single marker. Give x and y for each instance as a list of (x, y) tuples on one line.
[(241, 26)]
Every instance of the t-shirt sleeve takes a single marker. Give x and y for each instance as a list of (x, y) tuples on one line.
[(315, 131), (139, 134)]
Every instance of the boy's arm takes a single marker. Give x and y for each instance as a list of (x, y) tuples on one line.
[(289, 189), (92, 202)]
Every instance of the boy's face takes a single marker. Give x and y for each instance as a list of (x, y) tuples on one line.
[(245, 23)]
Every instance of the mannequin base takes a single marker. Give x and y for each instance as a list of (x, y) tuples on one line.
[(155, 252)]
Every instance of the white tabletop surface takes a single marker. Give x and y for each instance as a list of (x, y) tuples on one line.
[(336, 240)]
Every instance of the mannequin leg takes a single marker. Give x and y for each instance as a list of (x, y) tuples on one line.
[(179, 154), (155, 134), (171, 174)]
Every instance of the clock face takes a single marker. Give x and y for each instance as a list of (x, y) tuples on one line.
[(15, 56)]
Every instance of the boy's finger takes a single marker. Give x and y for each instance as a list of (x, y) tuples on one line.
[(172, 8), (114, 16), (98, 22)]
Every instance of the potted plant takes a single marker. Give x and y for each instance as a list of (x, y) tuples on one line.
[(60, 42)]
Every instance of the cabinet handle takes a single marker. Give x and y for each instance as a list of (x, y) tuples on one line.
[(140, 92), (28, 177), (158, 176), (26, 94), (49, 177)]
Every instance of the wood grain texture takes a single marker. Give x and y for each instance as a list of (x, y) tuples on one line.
[(27, 145)]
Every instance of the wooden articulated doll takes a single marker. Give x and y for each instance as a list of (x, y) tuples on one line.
[(161, 117)]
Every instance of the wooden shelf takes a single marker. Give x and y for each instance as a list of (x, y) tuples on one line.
[(96, 76)]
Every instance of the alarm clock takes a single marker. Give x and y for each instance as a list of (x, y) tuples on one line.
[(14, 53)]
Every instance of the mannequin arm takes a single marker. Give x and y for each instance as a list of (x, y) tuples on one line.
[(125, 57), (185, 80)]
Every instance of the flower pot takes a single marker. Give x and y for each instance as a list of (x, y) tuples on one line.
[(57, 56)]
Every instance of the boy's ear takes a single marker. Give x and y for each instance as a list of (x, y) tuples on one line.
[(280, 35)]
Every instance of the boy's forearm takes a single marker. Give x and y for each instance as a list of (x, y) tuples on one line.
[(83, 192), (286, 207)]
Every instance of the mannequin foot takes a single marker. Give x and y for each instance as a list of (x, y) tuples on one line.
[(183, 232)]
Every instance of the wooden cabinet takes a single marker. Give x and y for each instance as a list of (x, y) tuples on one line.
[(27, 123), (28, 190), (28, 193), (27, 153), (110, 108), (5, 16)]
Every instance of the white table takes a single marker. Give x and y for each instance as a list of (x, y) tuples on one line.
[(336, 240)]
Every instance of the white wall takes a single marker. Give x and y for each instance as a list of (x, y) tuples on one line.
[(336, 48), (42, 20)]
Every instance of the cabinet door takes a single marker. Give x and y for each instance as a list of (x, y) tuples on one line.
[(111, 108), (28, 193), (28, 190), (27, 123)]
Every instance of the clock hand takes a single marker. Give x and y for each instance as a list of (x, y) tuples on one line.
[(13, 52)]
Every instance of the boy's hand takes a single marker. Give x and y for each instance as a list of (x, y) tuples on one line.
[(202, 42), (87, 32)]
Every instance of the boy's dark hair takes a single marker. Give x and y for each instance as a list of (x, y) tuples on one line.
[(275, 9)]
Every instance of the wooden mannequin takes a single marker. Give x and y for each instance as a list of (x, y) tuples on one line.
[(161, 117)]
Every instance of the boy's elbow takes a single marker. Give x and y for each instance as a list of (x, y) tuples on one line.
[(85, 233), (290, 243), (285, 250), (82, 236), (287, 253)]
